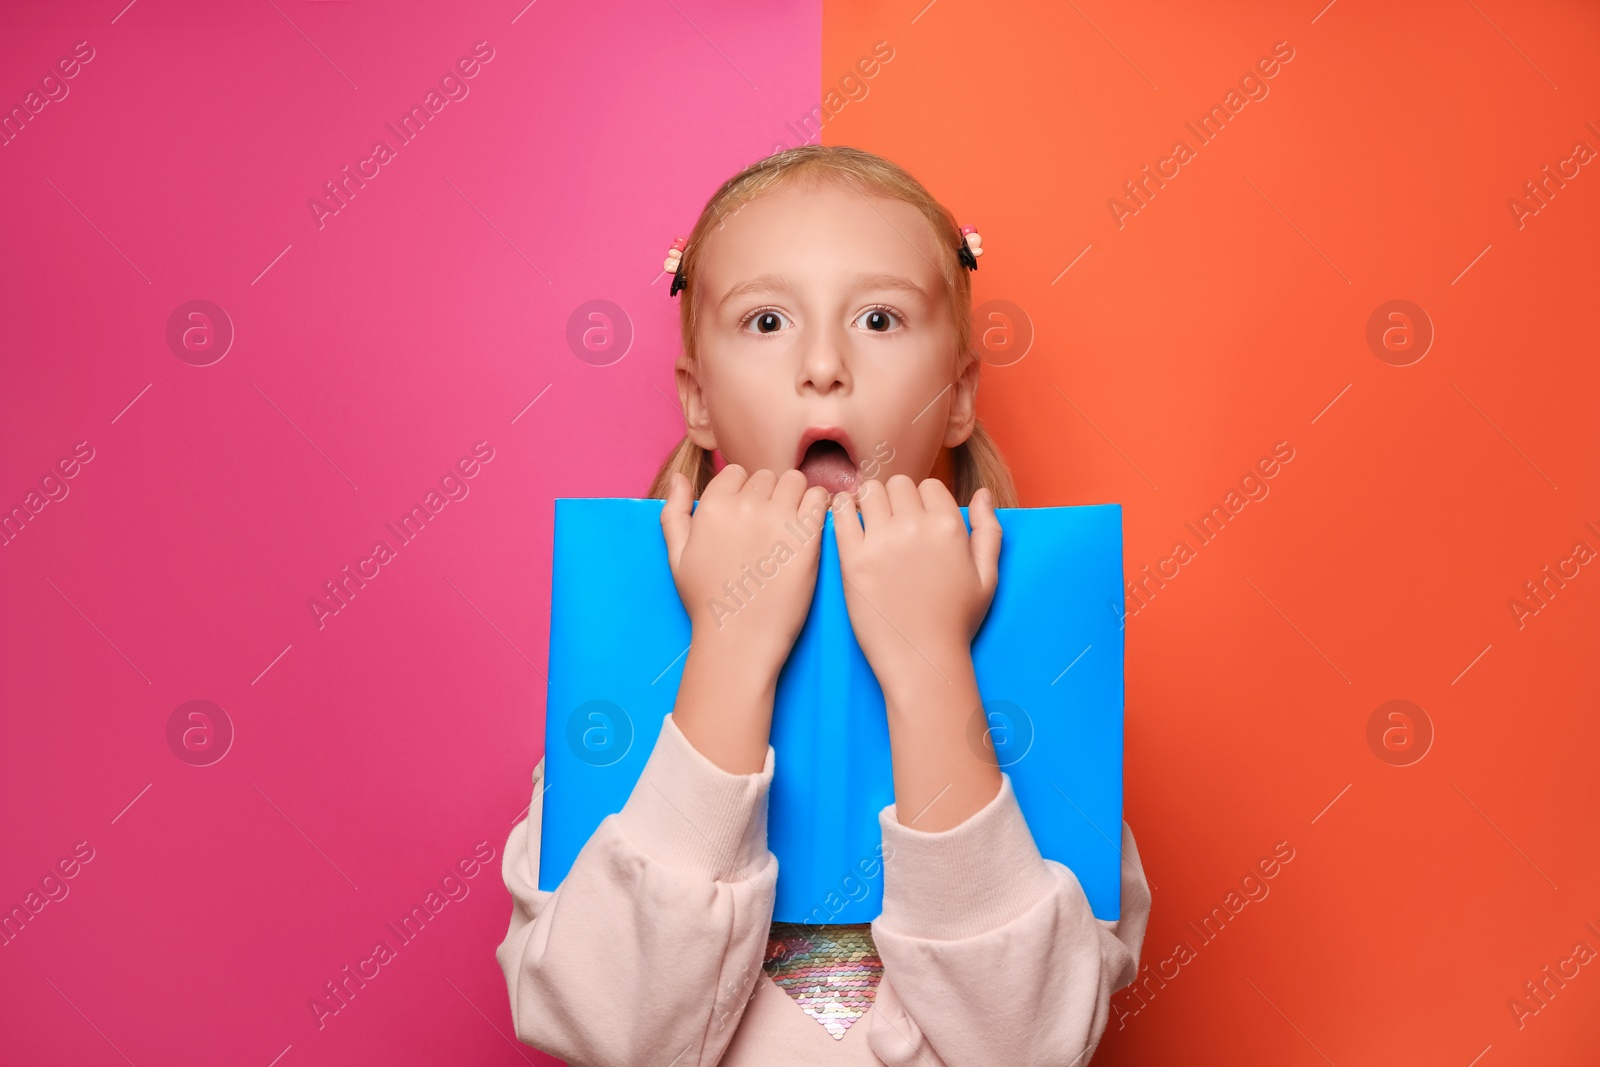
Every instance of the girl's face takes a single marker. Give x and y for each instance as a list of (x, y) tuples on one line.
[(821, 316)]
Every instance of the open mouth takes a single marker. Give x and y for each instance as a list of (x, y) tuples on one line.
[(826, 461)]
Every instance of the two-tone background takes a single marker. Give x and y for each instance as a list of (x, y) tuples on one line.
[(240, 344)]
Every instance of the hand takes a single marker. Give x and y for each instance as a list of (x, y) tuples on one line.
[(917, 586), (745, 560), (745, 564)]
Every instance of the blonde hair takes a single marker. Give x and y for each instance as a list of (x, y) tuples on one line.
[(976, 462)]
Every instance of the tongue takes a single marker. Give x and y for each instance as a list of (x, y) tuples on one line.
[(827, 464)]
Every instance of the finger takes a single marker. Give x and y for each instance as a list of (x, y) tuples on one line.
[(936, 496), (725, 482), (903, 496), (812, 510), (985, 539), (791, 486), (761, 484), (866, 485), (847, 532), (675, 516), (874, 500)]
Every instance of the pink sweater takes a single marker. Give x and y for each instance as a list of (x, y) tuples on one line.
[(650, 952)]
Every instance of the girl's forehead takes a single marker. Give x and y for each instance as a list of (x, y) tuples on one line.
[(825, 226)]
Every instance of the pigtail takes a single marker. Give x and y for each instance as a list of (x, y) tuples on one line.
[(690, 460), (977, 463)]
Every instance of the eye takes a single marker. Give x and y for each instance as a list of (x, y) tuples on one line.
[(765, 320), (879, 319)]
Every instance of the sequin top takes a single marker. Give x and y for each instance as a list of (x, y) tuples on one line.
[(831, 971)]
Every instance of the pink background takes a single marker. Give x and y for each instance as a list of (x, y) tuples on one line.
[(374, 752)]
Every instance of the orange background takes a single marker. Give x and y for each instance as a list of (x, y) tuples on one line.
[(1227, 315)]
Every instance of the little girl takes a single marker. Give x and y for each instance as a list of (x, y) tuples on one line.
[(826, 356)]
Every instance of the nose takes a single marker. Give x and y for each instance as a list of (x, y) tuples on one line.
[(823, 366)]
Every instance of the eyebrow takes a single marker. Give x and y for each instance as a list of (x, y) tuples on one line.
[(771, 283)]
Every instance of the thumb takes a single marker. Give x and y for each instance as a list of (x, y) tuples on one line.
[(985, 540), (675, 517)]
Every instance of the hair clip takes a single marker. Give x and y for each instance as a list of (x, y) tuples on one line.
[(674, 265), (971, 247)]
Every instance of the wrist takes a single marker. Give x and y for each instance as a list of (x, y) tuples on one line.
[(943, 769), (737, 660), (724, 708), (930, 673)]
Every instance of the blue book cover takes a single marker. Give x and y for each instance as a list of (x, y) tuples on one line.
[(1049, 666)]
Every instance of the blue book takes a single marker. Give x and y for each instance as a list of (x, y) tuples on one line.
[(1048, 661)]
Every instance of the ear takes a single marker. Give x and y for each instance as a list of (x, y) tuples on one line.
[(963, 404), (692, 398)]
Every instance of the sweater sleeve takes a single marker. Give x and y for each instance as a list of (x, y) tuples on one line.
[(991, 953), (651, 946)]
